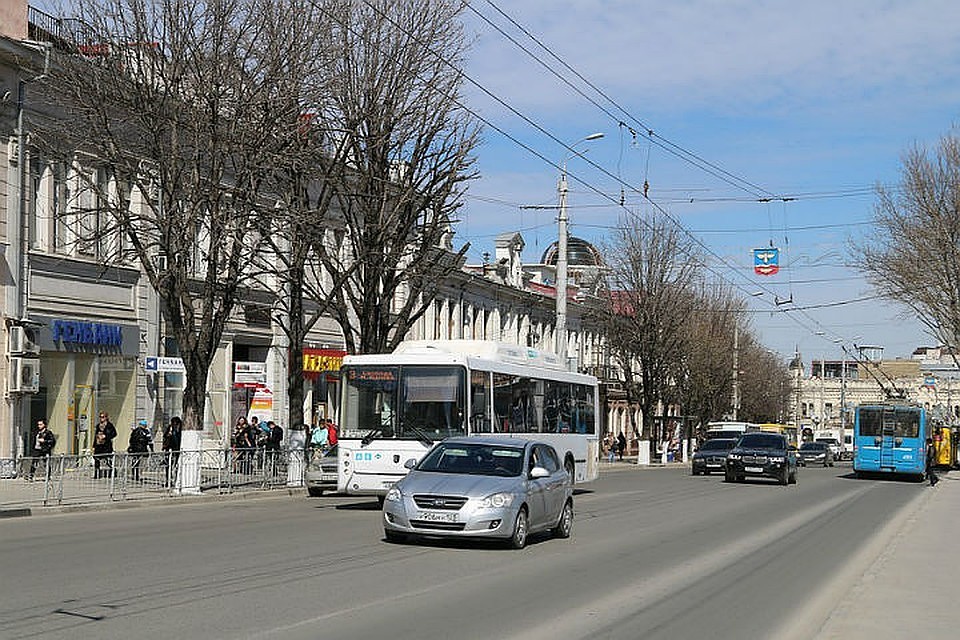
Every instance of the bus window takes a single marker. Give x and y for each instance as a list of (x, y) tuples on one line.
[(517, 404), (871, 422), (584, 420)]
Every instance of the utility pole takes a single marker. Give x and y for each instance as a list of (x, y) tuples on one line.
[(736, 369), (560, 341), (561, 337)]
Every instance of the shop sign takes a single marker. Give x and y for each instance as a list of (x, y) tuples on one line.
[(322, 360), (250, 373), (87, 333)]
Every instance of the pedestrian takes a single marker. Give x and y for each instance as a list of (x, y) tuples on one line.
[(43, 443), (610, 448), (274, 436), (931, 463), (242, 448), (332, 431), (171, 441), (138, 448), (621, 445), (319, 439), (103, 436)]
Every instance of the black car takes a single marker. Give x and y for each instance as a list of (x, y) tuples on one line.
[(762, 455), (816, 453), (712, 455)]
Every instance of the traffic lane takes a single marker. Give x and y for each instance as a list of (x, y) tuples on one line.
[(618, 577), (330, 575), (759, 594)]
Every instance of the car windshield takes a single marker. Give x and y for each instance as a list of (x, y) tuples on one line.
[(762, 441), (474, 459), (812, 446), (718, 445), (827, 441)]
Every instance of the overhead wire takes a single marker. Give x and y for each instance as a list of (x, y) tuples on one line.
[(672, 148), (742, 287)]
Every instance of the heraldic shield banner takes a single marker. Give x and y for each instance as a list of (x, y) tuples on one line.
[(766, 261)]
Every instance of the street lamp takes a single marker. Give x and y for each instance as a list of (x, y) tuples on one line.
[(561, 329)]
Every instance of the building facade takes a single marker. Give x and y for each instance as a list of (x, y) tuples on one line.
[(82, 337)]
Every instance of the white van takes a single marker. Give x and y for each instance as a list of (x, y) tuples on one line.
[(833, 438)]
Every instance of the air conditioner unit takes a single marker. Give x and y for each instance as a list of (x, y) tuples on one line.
[(22, 340), (24, 375)]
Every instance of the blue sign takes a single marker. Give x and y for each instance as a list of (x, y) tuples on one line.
[(87, 333)]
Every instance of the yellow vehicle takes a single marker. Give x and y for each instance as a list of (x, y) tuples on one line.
[(945, 446), (787, 430)]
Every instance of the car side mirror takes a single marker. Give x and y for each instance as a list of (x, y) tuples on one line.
[(539, 472), (411, 463)]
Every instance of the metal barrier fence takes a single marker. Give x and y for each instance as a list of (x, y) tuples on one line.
[(79, 479)]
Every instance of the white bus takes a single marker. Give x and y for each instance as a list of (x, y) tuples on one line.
[(395, 406), (729, 429)]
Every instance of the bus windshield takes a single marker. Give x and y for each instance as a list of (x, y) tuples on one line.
[(415, 402), (902, 422)]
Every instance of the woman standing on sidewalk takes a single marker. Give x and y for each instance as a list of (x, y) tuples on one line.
[(103, 437)]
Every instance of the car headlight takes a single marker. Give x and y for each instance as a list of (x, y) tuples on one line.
[(776, 458), (393, 495), (497, 501), (733, 456)]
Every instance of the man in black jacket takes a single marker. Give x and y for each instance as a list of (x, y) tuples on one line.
[(138, 448), (931, 463), (43, 443)]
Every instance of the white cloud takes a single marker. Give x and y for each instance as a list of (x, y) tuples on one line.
[(727, 54)]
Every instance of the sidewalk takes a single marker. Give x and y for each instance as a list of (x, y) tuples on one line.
[(910, 589), (145, 500)]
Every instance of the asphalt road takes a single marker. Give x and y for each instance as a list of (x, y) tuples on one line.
[(656, 553)]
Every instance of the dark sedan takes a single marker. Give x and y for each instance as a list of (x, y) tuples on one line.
[(712, 455), (816, 453), (762, 455)]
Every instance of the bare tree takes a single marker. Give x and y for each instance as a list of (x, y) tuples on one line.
[(704, 382), (185, 110), (653, 275), (765, 383), (913, 256), (404, 149)]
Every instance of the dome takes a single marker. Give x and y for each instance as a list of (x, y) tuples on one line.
[(580, 253)]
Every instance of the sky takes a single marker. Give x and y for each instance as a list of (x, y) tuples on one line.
[(773, 123)]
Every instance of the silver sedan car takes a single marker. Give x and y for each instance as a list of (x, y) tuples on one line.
[(489, 487)]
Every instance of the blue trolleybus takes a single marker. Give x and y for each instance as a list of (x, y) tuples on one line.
[(890, 438)]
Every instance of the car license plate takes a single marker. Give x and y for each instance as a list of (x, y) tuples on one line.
[(328, 477), (753, 469), (438, 516), (713, 465)]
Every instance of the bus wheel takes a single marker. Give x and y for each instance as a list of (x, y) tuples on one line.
[(569, 467)]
